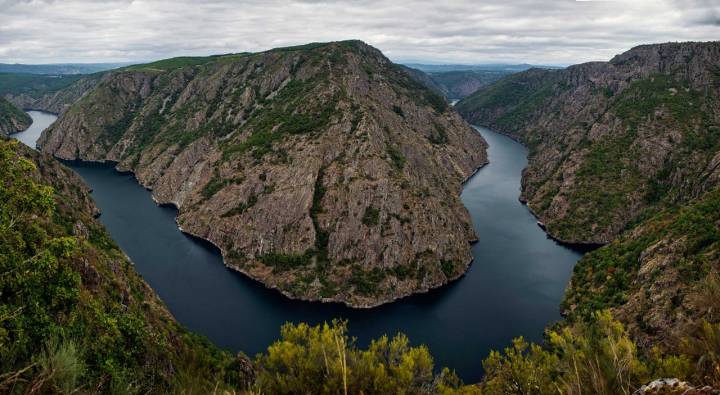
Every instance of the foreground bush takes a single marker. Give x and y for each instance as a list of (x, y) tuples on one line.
[(324, 360), (598, 357)]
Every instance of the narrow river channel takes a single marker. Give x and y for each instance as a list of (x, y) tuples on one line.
[(513, 288)]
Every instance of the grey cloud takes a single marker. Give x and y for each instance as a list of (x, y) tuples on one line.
[(472, 31)]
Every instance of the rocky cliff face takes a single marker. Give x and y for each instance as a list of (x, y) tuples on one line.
[(323, 171), (611, 142), (12, 119)]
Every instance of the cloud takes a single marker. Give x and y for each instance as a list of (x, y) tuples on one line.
[(472, 31)]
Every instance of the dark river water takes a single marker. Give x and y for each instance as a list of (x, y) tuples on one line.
[(513, 288)]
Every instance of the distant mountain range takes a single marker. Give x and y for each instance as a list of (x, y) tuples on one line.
[(59, 68), (511, 68)]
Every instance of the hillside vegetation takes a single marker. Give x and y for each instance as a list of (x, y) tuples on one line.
[(74, 314)]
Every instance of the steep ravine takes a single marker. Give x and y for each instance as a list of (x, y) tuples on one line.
[(323, 171)]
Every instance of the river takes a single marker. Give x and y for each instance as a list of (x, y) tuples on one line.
[(513, 288)]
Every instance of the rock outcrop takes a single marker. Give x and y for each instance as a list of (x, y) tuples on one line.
[(323, 171), (674, 387), (611, 142), (12, 119)]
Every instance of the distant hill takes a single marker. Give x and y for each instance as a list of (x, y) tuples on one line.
[(442, 68), (59, 68)]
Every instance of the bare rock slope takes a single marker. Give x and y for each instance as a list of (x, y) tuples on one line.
[(323, 170)]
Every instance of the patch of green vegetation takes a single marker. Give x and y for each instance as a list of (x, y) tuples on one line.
[(303, 47), (448, 268), (596, 355), (523, 109), (416, 91), (322, 237), (356, 119), (286, 262), (397, 158), (214, 186), (324, 360), (642, 98), (603, 278), (240, 208), (289, 113), (606, 180), (371, 217), (114, 131), (171, 64), (366, 282), (440, 137)]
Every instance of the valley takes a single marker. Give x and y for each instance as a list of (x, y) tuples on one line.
[(245, 215), (513, 256)]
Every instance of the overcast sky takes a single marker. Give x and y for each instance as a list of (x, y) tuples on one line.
[(443, 31)]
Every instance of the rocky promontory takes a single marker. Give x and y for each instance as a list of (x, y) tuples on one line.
[(323, 170)]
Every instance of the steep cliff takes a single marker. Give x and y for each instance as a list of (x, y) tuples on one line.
[(74, 314), (323, 170), (12, 119), (611, 142)]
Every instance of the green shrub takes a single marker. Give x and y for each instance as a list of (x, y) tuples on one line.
[(371, 217), (323, 359)]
